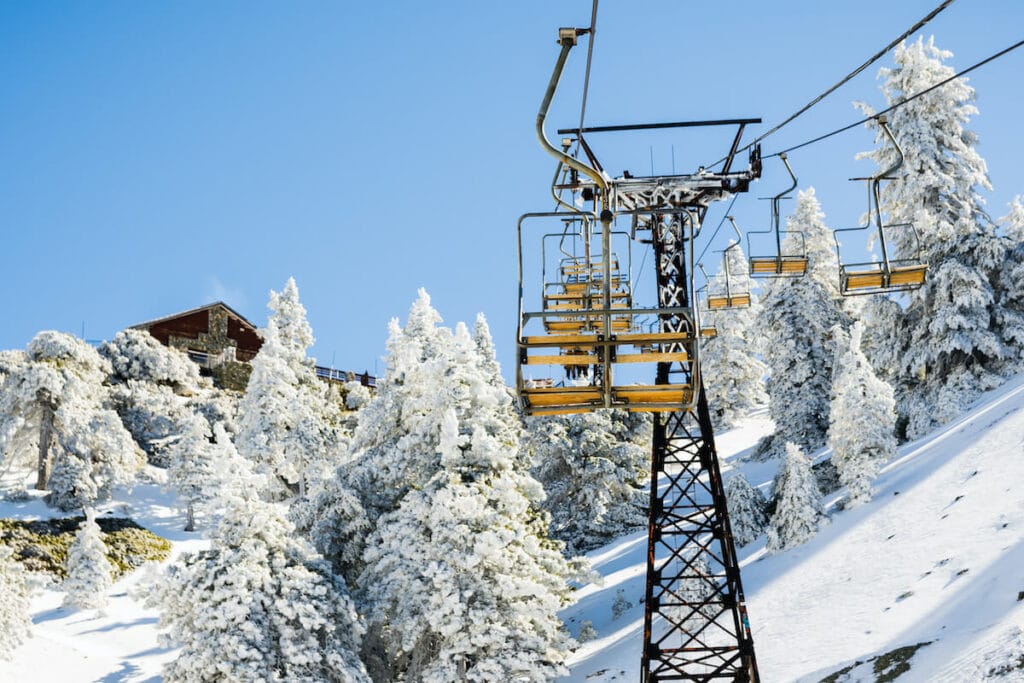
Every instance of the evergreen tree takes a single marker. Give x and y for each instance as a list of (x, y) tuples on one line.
[(696, 584), (863, 418), (333, 520), (202, 461), (155, 389), (15, 621), (283, 425), (88, 569), (461, 582), (818, 242), (1011, 314), (732, 373), (949, 345), (485, 347), (797, 317), (258, 605), (594, 468), (882, 318), (798, 510), (54, 412), (747, 514), (395, 443)]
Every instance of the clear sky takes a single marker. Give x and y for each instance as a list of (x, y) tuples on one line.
[(158, 156)]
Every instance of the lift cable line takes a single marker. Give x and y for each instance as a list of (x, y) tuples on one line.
[(846, 79), (590, 57), (718, 227), (899, 104)]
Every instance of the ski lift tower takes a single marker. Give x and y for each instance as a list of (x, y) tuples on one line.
[(695, 620)]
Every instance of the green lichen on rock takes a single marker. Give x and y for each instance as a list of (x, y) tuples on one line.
[(895, 663), (42, 545), (887, 667)]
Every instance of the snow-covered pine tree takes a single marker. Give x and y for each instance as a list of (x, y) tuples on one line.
[(88, 569), (395, 443), (797, 316), (333, 520), (1011, 313), (461, 581), (154, 389), (696, 585), (747, 514), (882, 318), (798, 509), (594, 468), (283, 424), (863, 418), (733, 374), (485, 347), (202, 461), (55, 414), (819, 242), (949, 347), (15, 620), (259, 605)]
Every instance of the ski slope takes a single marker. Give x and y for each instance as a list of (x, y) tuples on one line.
[(936, 557)]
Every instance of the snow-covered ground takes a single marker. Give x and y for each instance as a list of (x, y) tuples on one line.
[(118, 645), (937, 556)]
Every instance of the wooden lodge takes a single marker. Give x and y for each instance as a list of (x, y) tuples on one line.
[(222, 342)]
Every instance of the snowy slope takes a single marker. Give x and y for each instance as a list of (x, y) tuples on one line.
[(118, 645), (937, 556), (888, 574)]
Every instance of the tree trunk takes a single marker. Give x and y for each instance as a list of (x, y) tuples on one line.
[(190, 518), (45, 439)]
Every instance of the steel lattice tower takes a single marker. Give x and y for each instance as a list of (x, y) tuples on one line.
[(695, 621)]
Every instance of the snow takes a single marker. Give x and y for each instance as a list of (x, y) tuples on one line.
[(884, 575), (119, 645)]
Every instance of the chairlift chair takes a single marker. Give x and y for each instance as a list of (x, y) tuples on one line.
[(706, 330), (732, 297), (887, 274), (780, 263)]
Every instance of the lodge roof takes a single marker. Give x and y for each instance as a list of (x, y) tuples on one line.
[(233, 312)]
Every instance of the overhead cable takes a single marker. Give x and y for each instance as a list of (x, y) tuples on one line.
[(874, 58), (899, 104), (590, 56)]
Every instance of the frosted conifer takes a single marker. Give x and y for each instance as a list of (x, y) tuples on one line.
[(460, 579), (732, 373), (883, 319), (15, 621), (54, 413), (283, 425), (863, 419), (485, 347), (201, 463), (88, 569), (595, 468), (798, 510), (395, 442), (154, 389), (258, 605), (746, 510), (819, 241), (333, 520), (1011, 315), (797, 316), (948, 339)]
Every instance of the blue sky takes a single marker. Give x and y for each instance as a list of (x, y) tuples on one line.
[(158, 156)]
